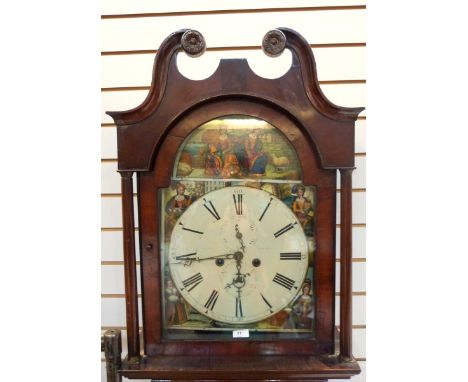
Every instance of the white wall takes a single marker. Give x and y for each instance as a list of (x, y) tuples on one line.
[(128, 47)]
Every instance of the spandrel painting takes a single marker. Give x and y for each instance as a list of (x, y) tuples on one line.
[(230, 152), (237, 147)]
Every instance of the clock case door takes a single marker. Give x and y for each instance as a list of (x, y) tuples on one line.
[(149, 136), (323, 180)]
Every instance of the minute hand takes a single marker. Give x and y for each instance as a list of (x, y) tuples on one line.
[(185, 259), (227, 256)]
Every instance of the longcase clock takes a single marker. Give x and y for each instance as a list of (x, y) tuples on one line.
[(236, 196)]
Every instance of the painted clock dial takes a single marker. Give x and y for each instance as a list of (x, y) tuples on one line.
[(238, 255)]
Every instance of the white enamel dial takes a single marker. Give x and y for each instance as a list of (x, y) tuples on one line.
[(238, 255)]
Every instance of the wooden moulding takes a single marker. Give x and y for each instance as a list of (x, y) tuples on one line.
[(148, 137), (239, 368), (296, 93)]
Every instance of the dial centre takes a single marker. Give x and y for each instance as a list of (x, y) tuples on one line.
[(238, 256)]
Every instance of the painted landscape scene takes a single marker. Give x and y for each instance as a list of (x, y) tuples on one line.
[(237, 148)]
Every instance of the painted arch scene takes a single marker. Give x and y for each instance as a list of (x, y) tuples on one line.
[(237, 147)]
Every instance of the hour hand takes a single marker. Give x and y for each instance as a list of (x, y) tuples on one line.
[(188, 257), (239, 237)]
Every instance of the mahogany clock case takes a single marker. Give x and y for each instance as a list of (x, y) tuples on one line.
[(325, 183), (322, 135)]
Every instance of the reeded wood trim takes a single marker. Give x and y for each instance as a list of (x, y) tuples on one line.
[(346, 266), (131, 293)]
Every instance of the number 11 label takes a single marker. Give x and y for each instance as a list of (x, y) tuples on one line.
[(241, 333)]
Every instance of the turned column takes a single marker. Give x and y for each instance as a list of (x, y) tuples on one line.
[(345, 264), (131, 293)]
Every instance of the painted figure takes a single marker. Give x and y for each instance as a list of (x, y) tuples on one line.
[(224, 142), (175, 308), (231, 168), (179, 203), (302, 207), (255, 159), (213, 163), (287, 196), (302, 309)]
